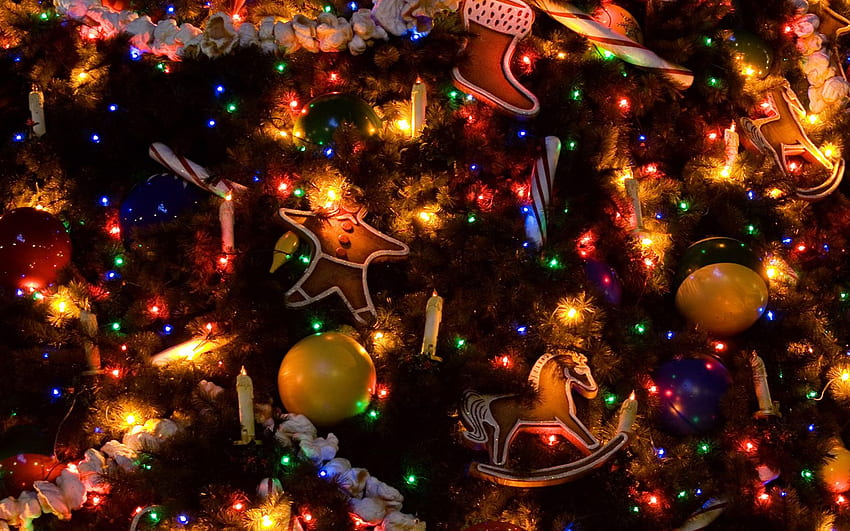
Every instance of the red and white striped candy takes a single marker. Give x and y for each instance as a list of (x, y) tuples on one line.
[(192, 172), (626, 49), (542, 181)]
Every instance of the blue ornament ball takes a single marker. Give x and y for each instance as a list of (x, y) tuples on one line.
[(689, 392), (159, 199), (605, 280)]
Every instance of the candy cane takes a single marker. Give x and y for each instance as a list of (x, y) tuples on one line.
[(623, 47), (542, 181), (192, 172)]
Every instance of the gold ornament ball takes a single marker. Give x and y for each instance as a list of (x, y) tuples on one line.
[(835, 472), (326, 377), (725, 299)]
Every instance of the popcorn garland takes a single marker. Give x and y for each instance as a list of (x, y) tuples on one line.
[(374, 502), (827, 85), (71, 489), (327, 33)]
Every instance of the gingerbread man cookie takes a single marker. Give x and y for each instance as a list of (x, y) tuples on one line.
[(343, 247)]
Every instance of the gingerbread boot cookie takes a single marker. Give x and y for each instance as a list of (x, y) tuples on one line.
[(486, 72)]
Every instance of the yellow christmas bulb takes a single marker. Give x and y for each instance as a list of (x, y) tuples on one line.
[(130, 419), (403, 125), (283, 249)]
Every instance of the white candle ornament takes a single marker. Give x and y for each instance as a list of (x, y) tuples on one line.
[(633, 189), (245, 393), (227, 220), (767, 407), (36, 103), (88, 322), (433, 316), (732, 143), (628, 413), (418, 104), (542, 183), (192, 172)]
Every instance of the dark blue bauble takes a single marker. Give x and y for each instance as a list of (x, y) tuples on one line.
[(159, 199), (689, 392), (605, 280)]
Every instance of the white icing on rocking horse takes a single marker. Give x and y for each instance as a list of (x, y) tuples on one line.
[(496, 420)]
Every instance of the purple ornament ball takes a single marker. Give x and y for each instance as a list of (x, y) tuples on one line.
[(690, 391)]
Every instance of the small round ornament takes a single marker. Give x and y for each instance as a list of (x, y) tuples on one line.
[(321, 117), (689, 392), (605, 280), (720, 286), (619, 21), (23, 459), (835, 471), (158, 199), (752, 55), (34, 247), (327, 377)]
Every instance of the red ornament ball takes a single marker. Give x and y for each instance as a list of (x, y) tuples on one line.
[(494, 526), (34, 247), (18, 472)]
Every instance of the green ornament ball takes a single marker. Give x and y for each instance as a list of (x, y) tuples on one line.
[(752, 55), (321, 117)]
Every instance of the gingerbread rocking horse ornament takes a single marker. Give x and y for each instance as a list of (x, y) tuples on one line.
[(494, 421)]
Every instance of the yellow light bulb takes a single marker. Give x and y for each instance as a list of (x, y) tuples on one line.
[(770, 272), (646, 242), (813, 119), (267, 521), (402, 125), (571, 313), (845, 376), (131, 419)]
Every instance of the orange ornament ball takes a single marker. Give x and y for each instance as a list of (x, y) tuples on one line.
[(835, 472), (326, 377)]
